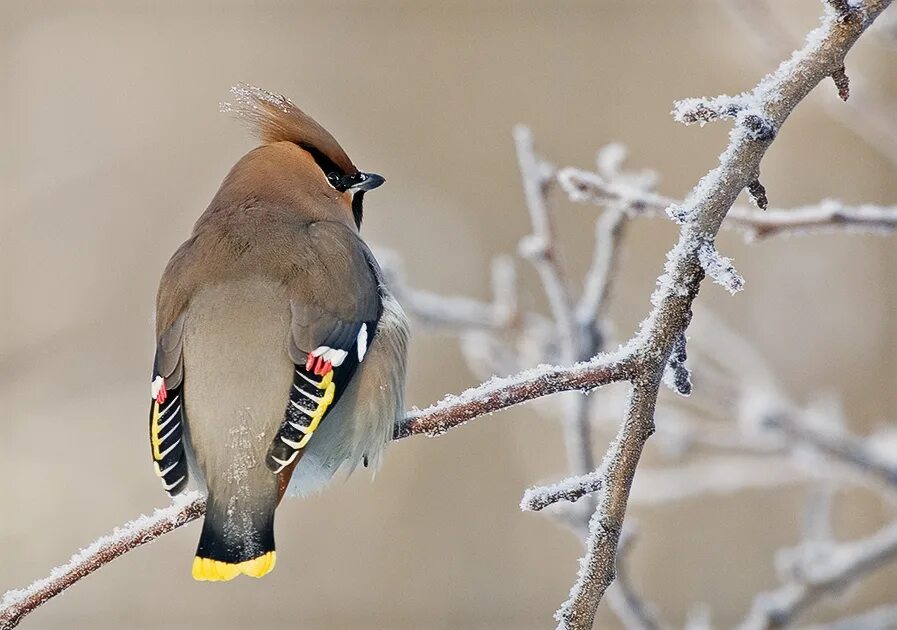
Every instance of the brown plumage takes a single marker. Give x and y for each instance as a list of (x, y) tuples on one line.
[(274, 118), (280, 354)]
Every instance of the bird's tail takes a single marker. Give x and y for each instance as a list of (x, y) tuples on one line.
[(237, 537)]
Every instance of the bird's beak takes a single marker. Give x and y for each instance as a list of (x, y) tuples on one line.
[(367, 181)]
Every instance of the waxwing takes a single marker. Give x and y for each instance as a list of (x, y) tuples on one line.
[(280, 353)]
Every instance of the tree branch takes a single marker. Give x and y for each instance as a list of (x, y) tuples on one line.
[(865, 114), (705, 209), (17, 603), (817, 571), (827, 215), (495, 395), (539, 248), (501, 393)]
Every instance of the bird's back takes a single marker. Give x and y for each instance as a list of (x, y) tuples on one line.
[(235, 334)]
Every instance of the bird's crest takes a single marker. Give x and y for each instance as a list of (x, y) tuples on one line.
[(275, 118)]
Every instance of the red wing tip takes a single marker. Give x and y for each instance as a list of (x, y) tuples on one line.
[(317, 365), (162, 394)]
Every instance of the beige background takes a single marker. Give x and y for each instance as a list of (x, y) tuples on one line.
[(112, 146)]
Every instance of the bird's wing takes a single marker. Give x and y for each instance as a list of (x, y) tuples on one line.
[(335, 305), (167, 410)]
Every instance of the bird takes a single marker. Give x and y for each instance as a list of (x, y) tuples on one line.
[(280, 352)]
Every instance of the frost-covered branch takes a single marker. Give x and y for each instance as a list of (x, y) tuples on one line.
[(539, 247), (720, 476), (15, 604), (706, 208), (832, 440), (827, 215), (816, 570), (500, 393), (865, 113), (495, 395)]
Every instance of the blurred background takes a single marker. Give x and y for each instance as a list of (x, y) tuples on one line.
[(113, 145)]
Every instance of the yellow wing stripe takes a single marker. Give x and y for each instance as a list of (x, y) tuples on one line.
[(208, 570), (329, 388), (154, 432)]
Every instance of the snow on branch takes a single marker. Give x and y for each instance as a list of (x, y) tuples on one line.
[(826, 216), (867, 114), (776, 96), (500, 393), (814, 570), (701, 111), (719, 268), (452, 411), (676, 375), (15, 604)]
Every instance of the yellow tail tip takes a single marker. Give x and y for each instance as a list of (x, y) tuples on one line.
[(208, 570)]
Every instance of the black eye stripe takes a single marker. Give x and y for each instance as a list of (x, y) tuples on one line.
[(324, 163), (343, 182)]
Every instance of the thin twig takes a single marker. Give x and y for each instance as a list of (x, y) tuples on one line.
[(17, 603), (825, 216), (501, 393), (539, 247), (451, 412), (831, 570), (592, 306), (864, 114), (841, 446), (721, 476)]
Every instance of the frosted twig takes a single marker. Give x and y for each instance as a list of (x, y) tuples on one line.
[(440, 311), (848, 449), (817, 572), (827, 215), (701, 111), (451, 412), (501, 393), (676, 374), (571, 489), (539, 247), (865, 113), (16, 604), (719, 268), (591, 307), (776, 96), (719, 476)]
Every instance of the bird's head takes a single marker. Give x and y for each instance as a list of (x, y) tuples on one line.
[(303, 149)]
